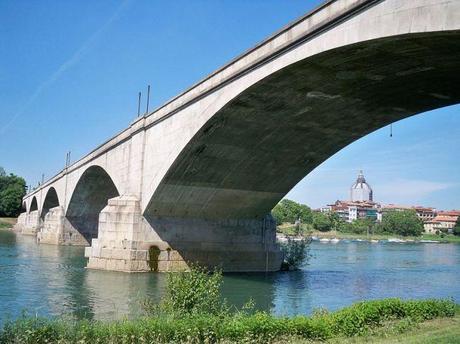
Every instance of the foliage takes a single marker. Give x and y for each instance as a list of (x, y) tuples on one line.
[(191, 292), (456, 229), (261, 327), (401, 222), (296, 252), (12, 190), (290, 211), (362, 226), (322, 222)]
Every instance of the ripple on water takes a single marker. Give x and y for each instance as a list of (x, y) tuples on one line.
[(52, 280)]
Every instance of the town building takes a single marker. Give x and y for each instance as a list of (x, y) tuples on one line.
[(350, 211), (361, 191), (444, 221)]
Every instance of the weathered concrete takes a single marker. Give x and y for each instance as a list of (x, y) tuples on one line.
[(197, 177)]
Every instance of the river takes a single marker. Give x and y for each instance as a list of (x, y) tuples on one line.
[(52, 280)]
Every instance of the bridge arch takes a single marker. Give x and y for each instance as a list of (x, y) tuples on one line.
[(51, 201), (24, 207), (89, 197), (258, 146), (33, 205)]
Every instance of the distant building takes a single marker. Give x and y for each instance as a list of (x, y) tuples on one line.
[(424, 213), (362, 206), (361, 191), (443, 222), (350, 211)]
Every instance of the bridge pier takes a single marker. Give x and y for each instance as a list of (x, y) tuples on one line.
[(232, 245), (57, 230), (120, 236), (131, 243), (28, 224)]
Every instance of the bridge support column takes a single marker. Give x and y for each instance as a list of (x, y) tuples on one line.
[(120, 236), (57, 230), (20, 223), (31, 223), (232, 244)]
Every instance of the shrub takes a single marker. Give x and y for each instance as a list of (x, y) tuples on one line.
[(296, 252), (230, 327), (191, 292)]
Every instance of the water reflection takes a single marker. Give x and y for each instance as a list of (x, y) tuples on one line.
[(52, 280)]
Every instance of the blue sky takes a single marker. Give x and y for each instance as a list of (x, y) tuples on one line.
[(70, 72)]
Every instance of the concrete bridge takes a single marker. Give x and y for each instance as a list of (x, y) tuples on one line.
[(195, 180)]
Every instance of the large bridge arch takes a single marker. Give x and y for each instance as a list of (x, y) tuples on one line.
[(258, 146), (51, 200), (33, 205), (89, 197)]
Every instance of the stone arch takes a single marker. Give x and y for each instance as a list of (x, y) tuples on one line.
[(94, 188), (33, 205), (257, 147), (51, 201)]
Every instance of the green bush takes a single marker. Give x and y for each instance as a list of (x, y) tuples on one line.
[(238, 327), (190, 292), (296, 253)]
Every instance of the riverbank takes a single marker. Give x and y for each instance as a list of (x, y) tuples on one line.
[(443, 330), (7, 222), (288, 229), (366, 320)]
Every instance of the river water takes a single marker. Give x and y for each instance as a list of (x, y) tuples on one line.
[(52, 280)]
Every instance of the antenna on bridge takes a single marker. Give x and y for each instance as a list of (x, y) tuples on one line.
[(43, 178), (67, 159), (148, 99), (391, 130), (139, 105)]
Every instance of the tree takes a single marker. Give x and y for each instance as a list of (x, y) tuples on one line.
[(362, 226), (290, 211), (12, 190), (404, 222), (456, 229), (322, 222)]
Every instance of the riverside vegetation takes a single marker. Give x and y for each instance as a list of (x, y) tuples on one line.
[(296, 219), (193, 311)]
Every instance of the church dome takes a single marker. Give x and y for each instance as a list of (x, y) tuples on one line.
[(361, 191)]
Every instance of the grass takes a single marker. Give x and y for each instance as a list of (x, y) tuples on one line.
[(436, 331), (7, 222), (289, 229), (365, 322)]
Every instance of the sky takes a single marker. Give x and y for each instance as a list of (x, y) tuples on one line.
[(70, 72)]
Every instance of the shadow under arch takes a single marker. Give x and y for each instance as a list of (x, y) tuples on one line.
[(90, 196), (33, 205), (262, 143), (23, 207), (51, 201)]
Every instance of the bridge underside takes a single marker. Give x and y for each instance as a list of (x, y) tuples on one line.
[(212, 205), (253, 151)]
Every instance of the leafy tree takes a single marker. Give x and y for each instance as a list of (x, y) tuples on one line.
[(322, 222), (290, 211), (361, 226), (12, 190), (296, 253), (404, 222), (456, 229)]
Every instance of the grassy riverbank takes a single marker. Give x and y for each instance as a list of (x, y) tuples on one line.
[(360, 323), (7, 222), (289, 229)]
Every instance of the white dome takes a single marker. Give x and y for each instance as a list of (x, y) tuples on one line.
[(361, 191)]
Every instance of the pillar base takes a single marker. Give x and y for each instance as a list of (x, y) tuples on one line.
[(120, 235)]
